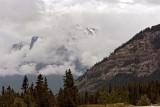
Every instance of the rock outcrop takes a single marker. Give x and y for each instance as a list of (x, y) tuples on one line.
[(33, 40), (138, 60)]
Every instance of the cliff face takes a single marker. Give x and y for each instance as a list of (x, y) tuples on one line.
[(137, 60)]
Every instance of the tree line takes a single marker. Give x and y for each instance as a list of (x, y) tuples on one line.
[(40, 95), (141, 94)]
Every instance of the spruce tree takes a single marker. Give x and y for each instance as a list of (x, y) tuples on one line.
[(44, 96), (45, 83), (25, 85), (60, 98), (39, 91), (31, 88), (3, 91), (70, 91), (8, 98), (86, 98)]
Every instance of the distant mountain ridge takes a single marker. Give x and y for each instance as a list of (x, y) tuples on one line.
[(135, 61), (15, 81)]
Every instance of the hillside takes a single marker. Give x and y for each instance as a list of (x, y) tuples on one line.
[(135, 61)]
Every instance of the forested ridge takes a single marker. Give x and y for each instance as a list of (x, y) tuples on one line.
[(40, 95)]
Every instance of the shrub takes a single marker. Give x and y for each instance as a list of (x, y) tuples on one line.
[(144, 101), (158, 101)]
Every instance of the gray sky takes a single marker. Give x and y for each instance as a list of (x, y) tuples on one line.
[(63, 29)]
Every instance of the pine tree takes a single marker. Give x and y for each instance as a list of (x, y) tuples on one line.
[(27, 95), (3, 91), (31, 88), (110, 88), (45, 83), (25, 85), (70, 91), (52, 100), (86, 98), (44, 96), (8, 98), (60, 98), (39, 91)]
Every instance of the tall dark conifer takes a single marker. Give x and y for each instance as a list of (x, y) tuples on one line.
[(43, 95), (70, 92), (86, 98), (31, 88), (25, 85), (60, 98), (45, 83), (39, 91), (3, 91)]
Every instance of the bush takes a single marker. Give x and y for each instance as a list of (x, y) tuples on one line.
[(158, 101), (144, 101)]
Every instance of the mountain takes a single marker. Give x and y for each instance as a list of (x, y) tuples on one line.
[(138, 60), (33, 40), (18, 46), (37, 55), (55, 57)]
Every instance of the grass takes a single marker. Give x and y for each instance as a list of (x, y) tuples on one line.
[(108, 105)]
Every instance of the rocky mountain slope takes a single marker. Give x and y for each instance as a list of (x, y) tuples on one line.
[(138, 60)]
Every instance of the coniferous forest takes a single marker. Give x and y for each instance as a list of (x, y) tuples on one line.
[(40, 95)]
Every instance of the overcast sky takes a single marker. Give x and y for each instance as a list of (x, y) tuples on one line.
[(65, 31)]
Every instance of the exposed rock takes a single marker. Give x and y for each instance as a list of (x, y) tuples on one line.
[(137, 60), (33, 40), (18, 46)]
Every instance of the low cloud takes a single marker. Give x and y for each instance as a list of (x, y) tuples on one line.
[(72, 34)]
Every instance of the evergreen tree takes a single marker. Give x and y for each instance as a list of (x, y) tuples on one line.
[(39, 91), (103, 97), (25, 85), (28, 94), (60, 98), (3, 91), (52, 100), (44, 96), (31, 88), (45, 83), (86, 98), (8, 98), (70, 92), (110, 88)]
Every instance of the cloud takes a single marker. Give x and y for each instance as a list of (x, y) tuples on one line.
[(149, 2), (20, 10), (62, 27)]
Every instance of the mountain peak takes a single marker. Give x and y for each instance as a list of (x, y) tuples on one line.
[(33, 40), (18, 46), (90, 31)]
